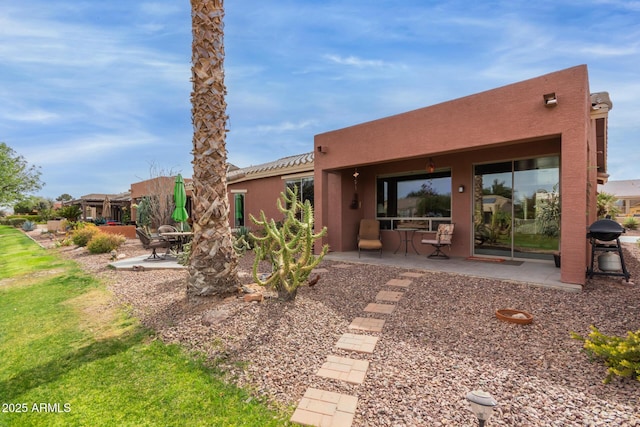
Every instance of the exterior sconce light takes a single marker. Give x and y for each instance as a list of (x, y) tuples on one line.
[(431, 166), (482, 405), (321, 149), (461, 189), (550, 99)]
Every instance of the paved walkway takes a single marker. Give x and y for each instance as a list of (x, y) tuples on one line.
[(324, 408)]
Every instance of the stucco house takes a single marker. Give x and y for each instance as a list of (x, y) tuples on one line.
[(500, 164), (628, 194), (543, 135), (257, 188)]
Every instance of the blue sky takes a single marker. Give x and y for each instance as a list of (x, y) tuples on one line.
[(97, 93)]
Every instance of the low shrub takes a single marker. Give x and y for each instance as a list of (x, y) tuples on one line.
[(621, 355), (83, 236), (17, 222), (631, 223), (102, 243)]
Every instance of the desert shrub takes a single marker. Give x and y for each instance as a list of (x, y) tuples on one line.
[(621, 355), (183, 257), (82, 236), (102, 243), (289, 247), (17, 222), (631, 223), (28, 226), (244, 233)]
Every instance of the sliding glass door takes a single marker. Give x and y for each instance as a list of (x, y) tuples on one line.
[(517, 208)]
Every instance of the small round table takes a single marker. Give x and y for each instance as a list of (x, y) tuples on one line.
[(406, 236)]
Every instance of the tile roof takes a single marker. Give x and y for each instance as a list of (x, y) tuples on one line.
[(624, 188), (297, 163)]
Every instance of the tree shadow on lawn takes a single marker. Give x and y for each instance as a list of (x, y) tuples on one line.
[(22, 382)]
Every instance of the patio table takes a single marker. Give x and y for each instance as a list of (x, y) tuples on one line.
[(181, 236), (406, 236)]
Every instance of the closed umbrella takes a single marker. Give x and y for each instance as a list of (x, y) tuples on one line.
[(106, 208), (179, 214)]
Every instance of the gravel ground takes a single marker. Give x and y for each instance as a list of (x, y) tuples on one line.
[(442, 341)]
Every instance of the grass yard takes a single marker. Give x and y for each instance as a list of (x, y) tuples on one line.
[(70, 357)]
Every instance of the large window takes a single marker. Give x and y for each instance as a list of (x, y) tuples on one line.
[(305, 188), (417, 200)]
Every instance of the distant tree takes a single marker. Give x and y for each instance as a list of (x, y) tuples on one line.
[(71, 213), (17, 178), (607, 205), (64, 197), (498, 188), (33, 205)]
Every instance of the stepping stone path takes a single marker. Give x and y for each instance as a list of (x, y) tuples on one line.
[(329, 409)]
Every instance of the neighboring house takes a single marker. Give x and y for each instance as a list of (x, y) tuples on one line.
[(93, 205), (628, 194), (257, 188), (162, 188), (543, 135)]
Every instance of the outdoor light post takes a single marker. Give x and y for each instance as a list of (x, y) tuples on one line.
[(482, 405)]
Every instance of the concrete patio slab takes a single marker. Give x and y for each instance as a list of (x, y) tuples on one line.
[(344, 369), (141, 263), (390, 296), (536, 273), (357, 343), (402, 283), (367, 324), (325, 409), (380, 308)]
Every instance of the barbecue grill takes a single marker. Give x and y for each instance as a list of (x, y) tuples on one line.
[(604, 236)]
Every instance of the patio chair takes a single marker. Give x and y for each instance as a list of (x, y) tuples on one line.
[(443, 238), (175, 240), (369, 236), (149, 243)]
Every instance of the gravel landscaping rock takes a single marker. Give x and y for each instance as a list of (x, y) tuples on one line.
[(442, 341)]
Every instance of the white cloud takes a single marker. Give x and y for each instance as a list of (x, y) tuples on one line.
[(356, 62)]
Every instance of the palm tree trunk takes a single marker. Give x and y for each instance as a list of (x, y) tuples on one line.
[(213, 263)]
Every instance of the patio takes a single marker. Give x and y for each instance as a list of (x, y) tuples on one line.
[(531, 272), (535, 273)]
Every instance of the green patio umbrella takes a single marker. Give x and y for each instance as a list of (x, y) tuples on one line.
[(180, 199)]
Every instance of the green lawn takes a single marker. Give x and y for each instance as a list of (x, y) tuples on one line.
[(68, 358)]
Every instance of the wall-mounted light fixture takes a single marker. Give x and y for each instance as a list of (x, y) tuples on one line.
[(550, 99), (322, 149), (430, 165), (461, 189)]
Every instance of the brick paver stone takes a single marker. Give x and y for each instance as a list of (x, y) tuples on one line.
[(374, 307), (389, 296), (403, 283), (367, 324), (412, 274), (344, 369), (325, 408), (359, 343)]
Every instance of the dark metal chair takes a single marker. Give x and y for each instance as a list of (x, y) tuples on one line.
[(443, 238), (149, 243)]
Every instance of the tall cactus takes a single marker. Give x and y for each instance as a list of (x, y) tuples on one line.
[(288, 247)]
